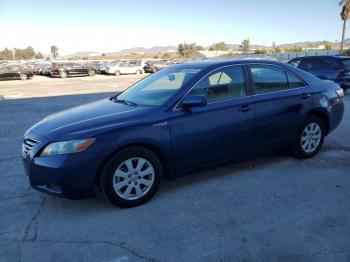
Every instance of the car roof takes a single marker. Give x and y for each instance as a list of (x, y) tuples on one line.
[(323, 56), (213, 63)]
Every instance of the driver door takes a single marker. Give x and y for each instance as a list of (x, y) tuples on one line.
[(222, 129)]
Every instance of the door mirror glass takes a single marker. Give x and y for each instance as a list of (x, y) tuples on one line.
[(194, 101)]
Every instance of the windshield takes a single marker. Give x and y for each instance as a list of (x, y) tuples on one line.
[(156, 89)]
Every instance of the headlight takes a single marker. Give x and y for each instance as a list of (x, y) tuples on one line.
[(67, 147)]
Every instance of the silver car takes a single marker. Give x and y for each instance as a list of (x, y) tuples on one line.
[(125, 68)]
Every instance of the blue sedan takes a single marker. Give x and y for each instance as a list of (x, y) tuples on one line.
[(182, 118)]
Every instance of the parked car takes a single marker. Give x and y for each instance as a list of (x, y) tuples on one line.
[(64, 70), (154, 66), (15, 71), (101, 69), (41, 67), (124, 68), (92, 64), (335, 68), (181, 118)]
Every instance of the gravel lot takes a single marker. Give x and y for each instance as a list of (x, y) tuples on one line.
[(274, 208)]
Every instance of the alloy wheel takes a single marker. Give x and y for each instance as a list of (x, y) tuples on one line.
[(311, 137), (133, 178)]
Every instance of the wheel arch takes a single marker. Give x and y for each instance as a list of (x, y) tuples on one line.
[(323, 115), (159, 153)]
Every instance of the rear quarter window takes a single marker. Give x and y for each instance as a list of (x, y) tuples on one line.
[(294, 82)]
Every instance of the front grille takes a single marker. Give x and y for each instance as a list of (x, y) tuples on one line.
[(27, 146)]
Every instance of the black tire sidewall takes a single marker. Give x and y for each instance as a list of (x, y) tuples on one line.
[(115, 161), (299, 151)]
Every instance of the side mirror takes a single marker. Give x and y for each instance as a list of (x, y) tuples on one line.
[(194, 101)]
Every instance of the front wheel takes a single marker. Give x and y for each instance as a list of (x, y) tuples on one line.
[(310, 138), (138, 72), (92, 72), (117, 73), (23, 76), (131, 177), (63, 74)]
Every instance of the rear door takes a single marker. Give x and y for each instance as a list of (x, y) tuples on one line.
[(220, 130), (12, 72), (279, 98), (77, 69)]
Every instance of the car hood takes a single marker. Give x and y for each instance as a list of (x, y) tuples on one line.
[(88, 120)]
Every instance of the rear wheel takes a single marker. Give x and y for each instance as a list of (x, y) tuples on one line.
[(310, 138), (117, 73), (131, 177), (138, 72), (23, 76), (92, 72), (155, 69)]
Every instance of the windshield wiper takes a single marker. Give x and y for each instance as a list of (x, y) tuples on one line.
[(126, 102)]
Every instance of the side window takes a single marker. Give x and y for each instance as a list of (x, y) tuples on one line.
[(223, 84), (294, 82), (307, 64), (268, 78)]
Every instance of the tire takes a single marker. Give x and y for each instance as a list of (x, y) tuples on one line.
[(63, 74), (307, 145), (92, 72), (138, 72), (23, 77), (155, 70), (122, 178), (117, 73)]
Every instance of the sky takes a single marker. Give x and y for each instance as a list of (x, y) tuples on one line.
[(107, 26)]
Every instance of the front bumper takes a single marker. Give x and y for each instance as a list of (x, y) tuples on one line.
[(71, 175)]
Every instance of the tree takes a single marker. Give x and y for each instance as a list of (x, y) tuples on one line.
[(39, 56), (245, 46), (22, 54), (19, 54), (278, 50), (6, 54), (187, 50), (29, 52), (261, 51), (54, 51), (345, 15), (294, 49), (327, 45), (219, 47)]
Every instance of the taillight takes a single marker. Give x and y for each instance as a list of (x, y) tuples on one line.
[(340, 93)]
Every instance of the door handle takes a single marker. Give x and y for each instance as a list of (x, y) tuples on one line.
[(245, 108), (305, 96)]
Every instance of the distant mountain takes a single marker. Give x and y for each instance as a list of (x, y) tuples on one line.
[(166, 49), (151, 50), (83, 53)]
